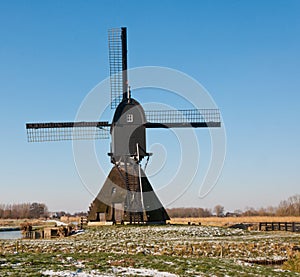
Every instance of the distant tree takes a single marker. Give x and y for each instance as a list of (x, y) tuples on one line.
[(7, 212), (219, 210), (289, 207), (38, 210), (238, 211), (249, 211), (24, 210), (271, 211), (205, 212), (19, 210)]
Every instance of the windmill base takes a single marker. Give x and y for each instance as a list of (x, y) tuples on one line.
[(127, 198)]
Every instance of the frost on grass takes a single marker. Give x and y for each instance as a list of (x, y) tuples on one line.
[(67, 273), (123, 271), (117, 271), (166, 249)]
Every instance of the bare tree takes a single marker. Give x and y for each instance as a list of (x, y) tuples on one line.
[(38, 210), (219, 210), (289, 207)]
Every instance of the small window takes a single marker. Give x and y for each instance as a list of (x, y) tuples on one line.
[(129, 117), (113, 190)]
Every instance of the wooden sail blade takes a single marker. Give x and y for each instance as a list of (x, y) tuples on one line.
[(196, 118), (58, 131)]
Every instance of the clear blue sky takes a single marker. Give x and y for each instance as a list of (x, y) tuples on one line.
[(245, 53)]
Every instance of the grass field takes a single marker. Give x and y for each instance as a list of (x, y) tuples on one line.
[(171, 250)]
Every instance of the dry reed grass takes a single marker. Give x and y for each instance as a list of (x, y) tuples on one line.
[(18, 222), (206, 221), (225, 221)]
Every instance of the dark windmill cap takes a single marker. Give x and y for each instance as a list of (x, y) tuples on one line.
[(129, 112)]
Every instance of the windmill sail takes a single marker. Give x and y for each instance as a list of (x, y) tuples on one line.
[(117, 42), (183, 118), (41, 132)]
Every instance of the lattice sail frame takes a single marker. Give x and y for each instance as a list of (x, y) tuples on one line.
[(183, 118), (115, 66), (42, 132)]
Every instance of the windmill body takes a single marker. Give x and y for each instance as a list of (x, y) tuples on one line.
[(128, 132), (126, 195)]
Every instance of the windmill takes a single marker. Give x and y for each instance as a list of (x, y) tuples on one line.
[(127, 195)]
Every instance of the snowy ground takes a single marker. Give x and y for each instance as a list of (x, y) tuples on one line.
[(152, 251), (123, 271)]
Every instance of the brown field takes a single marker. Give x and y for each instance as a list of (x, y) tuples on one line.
[(35, 222), (225, 221), (14, 222), (206, 221), (18, 222)]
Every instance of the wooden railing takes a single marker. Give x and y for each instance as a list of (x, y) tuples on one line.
[(280, 226)]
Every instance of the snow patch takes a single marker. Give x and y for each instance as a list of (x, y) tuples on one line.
[(67, 273), (141, 272)]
